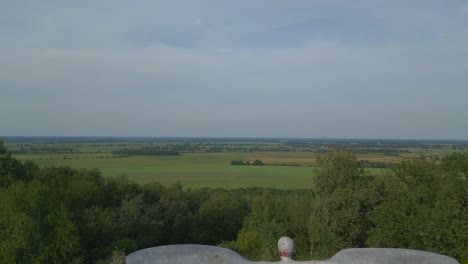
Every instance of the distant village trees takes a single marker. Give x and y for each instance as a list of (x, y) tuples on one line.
[(241, 162), (145, 152)]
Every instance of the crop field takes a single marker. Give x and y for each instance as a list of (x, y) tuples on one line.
[(207, 163), (193, 170)]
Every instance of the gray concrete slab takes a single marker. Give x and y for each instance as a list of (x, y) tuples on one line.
[(201, 254)]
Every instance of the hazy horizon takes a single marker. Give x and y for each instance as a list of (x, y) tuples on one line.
[(172, 138), (241, 69)]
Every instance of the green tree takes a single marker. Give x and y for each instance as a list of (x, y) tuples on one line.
[(338, 169), (177, 215), (140, 222), (298, 208), (13, 170), (268, 218), (125, 245), (457, 163), (219, 218), (99, 228), (35, 228), (258, 163), (116, 257), (425, 208), (345, 194), (249, 244), (2, 147)]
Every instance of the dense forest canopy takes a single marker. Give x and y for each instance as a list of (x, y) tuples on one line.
[(65, 215)]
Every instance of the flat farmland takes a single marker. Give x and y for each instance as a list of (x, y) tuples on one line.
[(221, 175), (196, 170), (207, 163), (193, 170)]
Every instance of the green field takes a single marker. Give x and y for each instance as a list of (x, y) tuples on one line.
[(193, 170), (207, 163)]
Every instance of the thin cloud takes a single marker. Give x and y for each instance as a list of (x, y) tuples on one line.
[(268, 68)]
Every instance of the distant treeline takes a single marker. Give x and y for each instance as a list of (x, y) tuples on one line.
[(145, 152), (386, 147), (25, 149), (241, 162)]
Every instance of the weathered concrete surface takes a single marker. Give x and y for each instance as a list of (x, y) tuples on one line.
[(185, 254), (200, 254), (389, 256)]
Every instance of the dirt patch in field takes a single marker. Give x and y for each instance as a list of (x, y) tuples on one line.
[(382, 159), (298, 159)]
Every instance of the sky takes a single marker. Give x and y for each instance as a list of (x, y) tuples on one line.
[(264, 68)]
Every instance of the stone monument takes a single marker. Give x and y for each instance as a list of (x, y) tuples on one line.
[(201, 254)]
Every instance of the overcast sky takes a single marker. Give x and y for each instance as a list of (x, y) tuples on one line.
[(243, 68)]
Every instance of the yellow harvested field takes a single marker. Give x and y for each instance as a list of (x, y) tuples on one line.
[(268, 159)]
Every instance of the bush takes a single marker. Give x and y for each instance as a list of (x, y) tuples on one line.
[(125, 245), (258, 163), (237, 162)]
